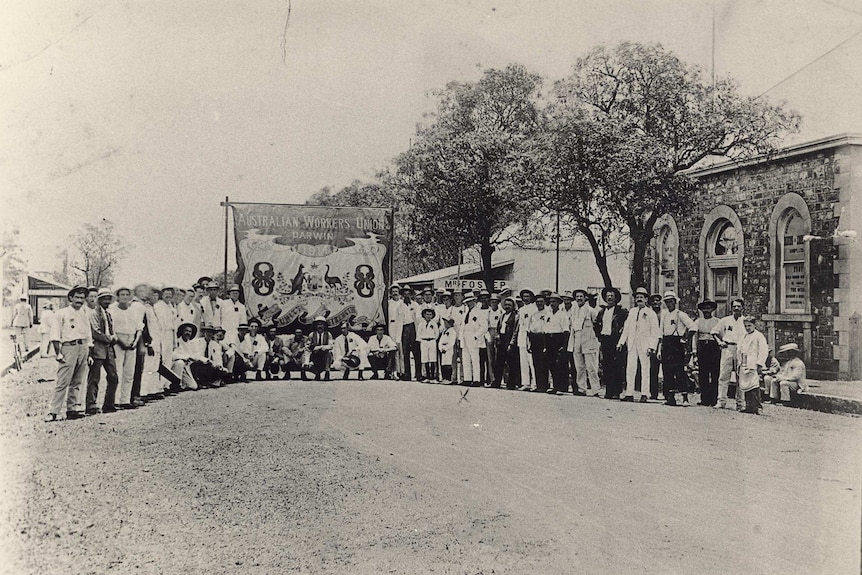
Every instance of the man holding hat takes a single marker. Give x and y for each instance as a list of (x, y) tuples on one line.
[(103, 355), (708, 353), (71, 337), (585, 344), (677, 334), (640, 336), (525, 312), (791, 378), (609, 329), (349, 352)]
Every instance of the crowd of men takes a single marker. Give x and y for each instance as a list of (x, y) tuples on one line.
[(152, 343)]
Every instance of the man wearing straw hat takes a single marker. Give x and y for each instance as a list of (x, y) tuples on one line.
[(677, 331), (791, 378), (72, 338), (609, 327), (103, 355), (728, 333), (585, 344)]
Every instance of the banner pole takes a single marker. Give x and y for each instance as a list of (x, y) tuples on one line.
[(225, 204)]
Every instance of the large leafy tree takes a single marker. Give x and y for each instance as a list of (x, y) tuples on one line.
[(465, 174), (631, 120)]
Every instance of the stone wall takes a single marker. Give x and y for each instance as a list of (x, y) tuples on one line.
[(753, 192)]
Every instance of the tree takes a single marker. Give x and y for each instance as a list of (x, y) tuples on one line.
[(410, 257), (645, 117), (13, 264), (465, 173), (94, 254)]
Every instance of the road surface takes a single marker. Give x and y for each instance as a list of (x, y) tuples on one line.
[(394, 477)]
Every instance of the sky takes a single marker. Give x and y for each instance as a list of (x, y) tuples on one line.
[(149, 113)]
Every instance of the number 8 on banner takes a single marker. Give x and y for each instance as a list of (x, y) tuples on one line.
[(263, 283), (364, 283)]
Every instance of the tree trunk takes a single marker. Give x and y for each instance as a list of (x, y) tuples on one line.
[(598, 255), (640, 233), (487, 251)]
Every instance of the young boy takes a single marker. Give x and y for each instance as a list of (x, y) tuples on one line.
[(752, 352), (426, 332), (447, 349)]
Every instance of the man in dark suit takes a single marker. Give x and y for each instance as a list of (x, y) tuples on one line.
[(320, 350), (506, 344), (103, 355), (609, 327)]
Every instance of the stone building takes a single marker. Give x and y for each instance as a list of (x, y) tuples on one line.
[(777, 231)]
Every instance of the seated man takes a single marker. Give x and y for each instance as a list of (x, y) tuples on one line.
[(291, 352), (210, 371), (349, 352), (275, 343), (381, 353), (319, 346), (189, 350), (253, 348), (791, 378)]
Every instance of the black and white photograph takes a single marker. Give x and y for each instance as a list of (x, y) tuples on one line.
[(463, 287)]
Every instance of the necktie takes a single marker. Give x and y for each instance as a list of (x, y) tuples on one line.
[(108, 322), (207, 351), (346, 345)]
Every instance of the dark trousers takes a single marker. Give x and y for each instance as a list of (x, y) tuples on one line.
[(507, 359), (446, 372), (538, 349), (409, 345), (708, 361), (613, 365), (673, 365), (555, 356), (385, 362), (110, 365), (205, 374), (140, 358)]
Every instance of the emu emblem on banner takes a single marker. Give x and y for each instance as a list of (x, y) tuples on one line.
[(300, 262)]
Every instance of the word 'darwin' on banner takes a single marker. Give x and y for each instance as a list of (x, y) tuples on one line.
[(300, 262)]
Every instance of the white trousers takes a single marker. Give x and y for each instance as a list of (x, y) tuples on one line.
[(46, 349), (125, 371), (258, 361), (726, 366), (184, 372), (528, 372), (470, 357), (587, 364), (636, 356)]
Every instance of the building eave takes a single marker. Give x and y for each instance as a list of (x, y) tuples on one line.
[(846, 139)]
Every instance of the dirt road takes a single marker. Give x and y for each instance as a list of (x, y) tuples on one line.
[(386, 477)]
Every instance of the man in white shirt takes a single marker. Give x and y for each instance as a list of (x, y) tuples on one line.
[(381, 353), (72, 339), (395, 325), (537, 343), (253, 348), (410, 315), (677, 334), (233, 313), (585, 344), (128, 319), (22, 321), (557, 328), (189, 311), (189, 350), (475, 328), (728, 333), (640, 336), (525, 359), (211, 305), (349, 352), (609, 328), (45, 321)]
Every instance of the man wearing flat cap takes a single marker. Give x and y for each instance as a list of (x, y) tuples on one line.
[(609, 328), (71, 337)]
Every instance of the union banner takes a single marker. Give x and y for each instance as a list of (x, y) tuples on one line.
[(301, 262)]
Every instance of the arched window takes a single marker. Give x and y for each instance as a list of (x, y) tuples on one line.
[(666, 250), (721, 249), (789, 267)]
